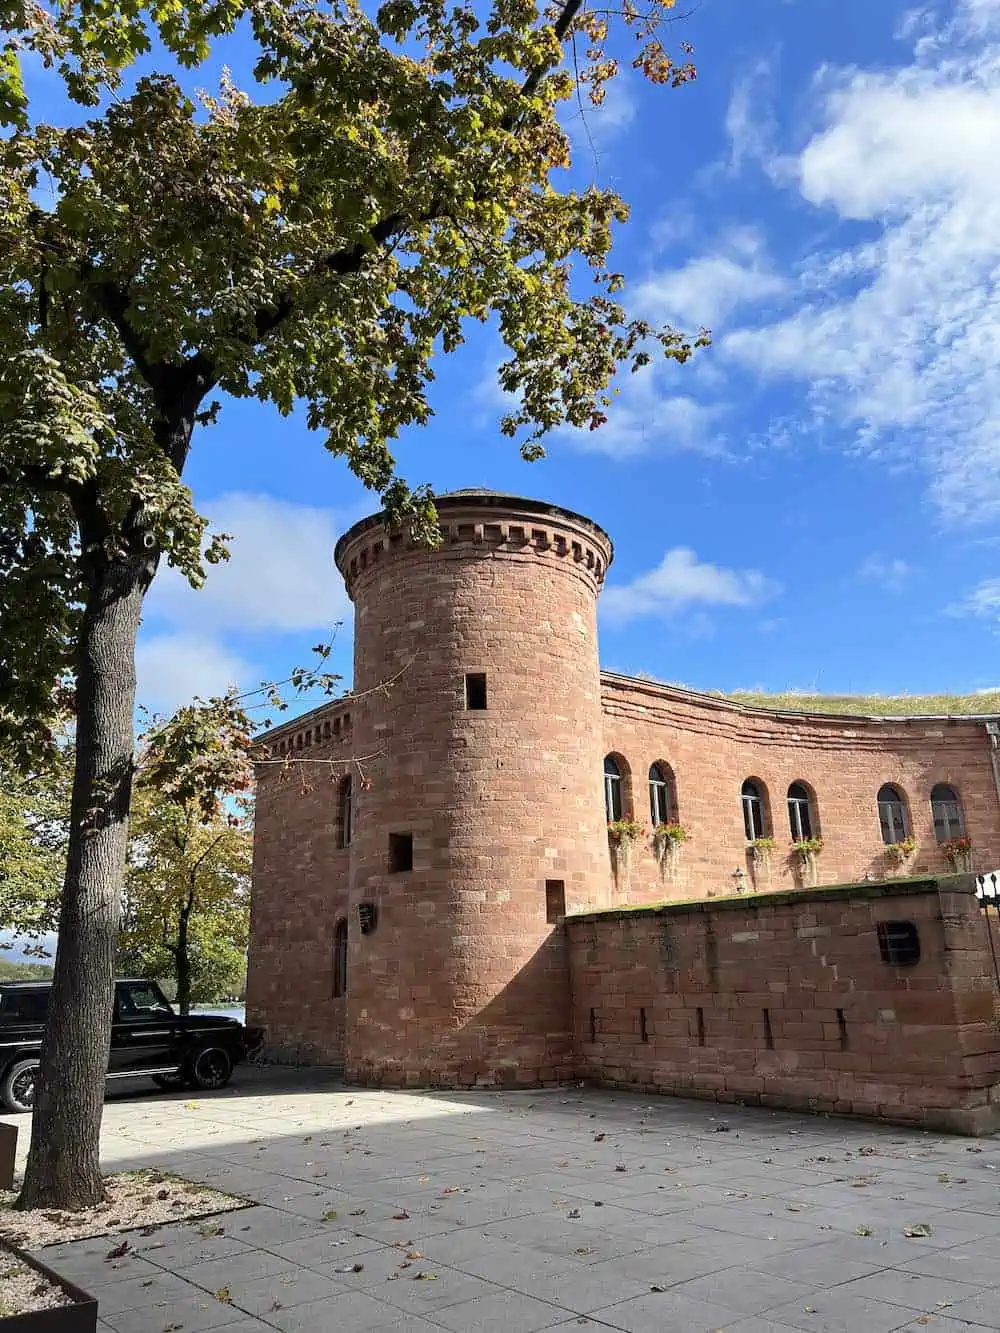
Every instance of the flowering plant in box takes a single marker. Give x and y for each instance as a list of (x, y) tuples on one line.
[(622, 834), (670, 833), (898, 852), (958, 851), (624, 831), (807, 848), (667, 839), (761, 848)]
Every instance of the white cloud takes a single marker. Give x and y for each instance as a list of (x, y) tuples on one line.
[(749, 118), (644, 416), (982, 603), (887, 573), (643, 419), (173, 668), (680, 582), (280, 579), (709, 288), (280, 575), (898, 336)]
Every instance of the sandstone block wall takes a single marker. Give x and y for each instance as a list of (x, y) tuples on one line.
[(784, 1000), (713, 746), (300, 889)]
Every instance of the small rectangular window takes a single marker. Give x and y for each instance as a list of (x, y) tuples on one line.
[(400, 852), (555, 900), (898, 943), (475, 690)]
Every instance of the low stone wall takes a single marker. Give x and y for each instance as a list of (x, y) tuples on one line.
[(787, 1000)]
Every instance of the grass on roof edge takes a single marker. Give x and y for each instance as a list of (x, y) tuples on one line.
[(890, 705)]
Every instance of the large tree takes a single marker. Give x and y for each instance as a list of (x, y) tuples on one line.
[(389, 176)]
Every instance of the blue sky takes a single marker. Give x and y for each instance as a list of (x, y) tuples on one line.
[(813, 503)]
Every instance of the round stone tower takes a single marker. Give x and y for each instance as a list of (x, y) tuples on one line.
[(480, 814)]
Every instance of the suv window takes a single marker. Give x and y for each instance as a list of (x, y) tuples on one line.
[(138, 999), (30, 1006)]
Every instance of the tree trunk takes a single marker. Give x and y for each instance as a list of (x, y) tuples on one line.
[(182, 959), (63, 1169)]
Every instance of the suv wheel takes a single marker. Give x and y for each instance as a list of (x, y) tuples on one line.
[(211, 1067), (17, 1091)]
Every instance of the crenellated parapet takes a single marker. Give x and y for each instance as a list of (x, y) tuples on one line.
[(329, 724), (500, 526)]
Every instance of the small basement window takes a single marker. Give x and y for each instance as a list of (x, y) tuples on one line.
[(555, 900), (475, 690), (400, 852), (898, 943)]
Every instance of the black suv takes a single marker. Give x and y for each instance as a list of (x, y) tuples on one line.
[(148, 1040)]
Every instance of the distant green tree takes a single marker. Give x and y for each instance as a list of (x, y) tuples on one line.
[(24, 971), (34, 834), (186, 908)]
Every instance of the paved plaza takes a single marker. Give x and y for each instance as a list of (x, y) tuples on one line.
[(541, 1210)]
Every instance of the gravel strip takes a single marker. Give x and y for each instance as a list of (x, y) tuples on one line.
[(23, 1290), (136, 1200)]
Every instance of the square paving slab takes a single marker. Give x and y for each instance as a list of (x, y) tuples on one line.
[(532, 1211)]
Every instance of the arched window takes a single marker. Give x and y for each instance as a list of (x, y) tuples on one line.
[(752, 794), (892, 815), (340, 958), (346, 811), (612, 789), (662, 798), (947, 812), (800, 812)]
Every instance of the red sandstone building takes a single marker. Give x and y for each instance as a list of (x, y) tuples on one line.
[(437, 899)]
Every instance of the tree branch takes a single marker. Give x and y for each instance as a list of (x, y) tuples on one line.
[(344, 263), (113, 300)]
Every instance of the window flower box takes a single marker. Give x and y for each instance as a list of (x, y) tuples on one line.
[(667, 840), (623, 834), (900, 852), (958, 854), (807, 850), (760, 850)]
